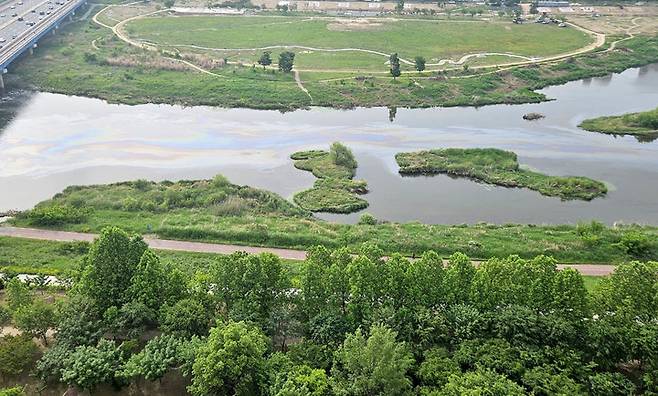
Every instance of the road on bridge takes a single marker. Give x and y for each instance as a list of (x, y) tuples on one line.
[(23, 22)]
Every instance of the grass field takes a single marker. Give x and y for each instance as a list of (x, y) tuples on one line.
[(497, 167), (433, 39)]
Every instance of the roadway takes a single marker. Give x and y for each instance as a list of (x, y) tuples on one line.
[(23, 22)]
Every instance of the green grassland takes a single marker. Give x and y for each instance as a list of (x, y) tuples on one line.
[(433, 39), (497, 167), (642, 124), (87, 60), (222, 212), (335, 191)]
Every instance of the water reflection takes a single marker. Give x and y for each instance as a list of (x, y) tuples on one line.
[(51, 141)]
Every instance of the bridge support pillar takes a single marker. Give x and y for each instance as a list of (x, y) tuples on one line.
[(31, 50), (2, 83)]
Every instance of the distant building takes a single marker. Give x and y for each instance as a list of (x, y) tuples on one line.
[(552, 3)]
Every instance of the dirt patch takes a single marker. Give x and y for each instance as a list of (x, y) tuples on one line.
[(354, 25)]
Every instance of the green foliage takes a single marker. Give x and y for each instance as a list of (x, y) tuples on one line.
[(604, 384), (18, 294), (367, 219), (394, 63), (17, 354), (374, 365), (35, 319), (636, 245), (481, 382), (286, 61), (13, 391), (232, 362), (57, 215), (497, 167), (334, 191), (186, 318), (638, 124), (110, 266), (265, 59), (88, 366), (250, 287), (419, 63), (159, 355)]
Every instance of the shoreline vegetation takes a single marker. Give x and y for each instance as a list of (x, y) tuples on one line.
[(642, 125), (219, 211), (497, 167), (119, 73), (335, 191)]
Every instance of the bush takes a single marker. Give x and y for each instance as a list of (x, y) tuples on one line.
[(341, 155), (367, 219), (635, 244), (17, 353), (57, 215)]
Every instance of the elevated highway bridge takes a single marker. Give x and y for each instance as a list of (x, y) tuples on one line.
[(24, 22)]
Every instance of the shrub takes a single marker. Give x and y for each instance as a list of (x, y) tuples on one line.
[(635, 244), (17, 353), (341, 155), (57, 214), (367, 219)]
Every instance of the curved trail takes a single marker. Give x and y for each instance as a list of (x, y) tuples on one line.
[(217, 248), (599, 40)]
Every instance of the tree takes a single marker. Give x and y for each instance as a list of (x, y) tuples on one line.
[(569, 293), (110, 266), (18, 294), (232, 362), (155, 285), (249, 287), (436, 368), (159, 355), (286, 61), (5, 317), (186, 318), (17, 353), (394, 63), (303, 381), (420, 63), (342, 155), (602, 384), (88, 366), (265, 59), (458, 277), (630, 289), (35, 319), (376, 365), (168, 3), (481, 382), (399, 6)]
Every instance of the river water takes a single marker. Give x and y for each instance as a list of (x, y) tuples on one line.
[(50, 141)]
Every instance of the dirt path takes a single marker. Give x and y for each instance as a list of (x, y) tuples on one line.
[(217, 248), (298, 80)]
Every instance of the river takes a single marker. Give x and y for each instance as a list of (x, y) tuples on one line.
[(49, 141)]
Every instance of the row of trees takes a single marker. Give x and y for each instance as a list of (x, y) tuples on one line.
[(286, 60), (394, 63), (344, 324)]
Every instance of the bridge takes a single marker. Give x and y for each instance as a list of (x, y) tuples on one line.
[(24, 22)]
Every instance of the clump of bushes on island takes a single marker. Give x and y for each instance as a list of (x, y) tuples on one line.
[(335, 190), (642, 124), (497, 167)]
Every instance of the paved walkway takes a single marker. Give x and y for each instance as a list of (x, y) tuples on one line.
[(201, 247)]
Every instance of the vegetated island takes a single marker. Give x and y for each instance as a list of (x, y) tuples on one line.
[(219, 211), (335, 190), (497, 167), (642, 125)]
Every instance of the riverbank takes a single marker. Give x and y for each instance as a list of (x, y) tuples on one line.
[(643, 125), (220, 212), (87, 60)]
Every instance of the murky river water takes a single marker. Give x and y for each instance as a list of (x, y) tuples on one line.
[(49, 141)]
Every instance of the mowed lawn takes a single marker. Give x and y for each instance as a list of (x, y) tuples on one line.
[(432, 39)]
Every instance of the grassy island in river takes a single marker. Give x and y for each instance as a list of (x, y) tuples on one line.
[(335, 190), (497, 167), (643, 125)]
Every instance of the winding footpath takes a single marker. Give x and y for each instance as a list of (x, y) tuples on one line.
[(217, 248)]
